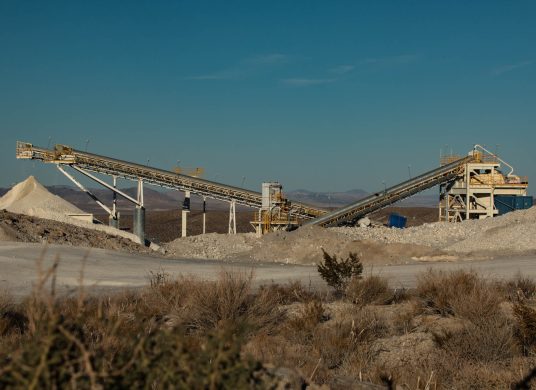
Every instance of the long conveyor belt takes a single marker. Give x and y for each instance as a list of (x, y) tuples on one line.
[(101, 164), (352, 212)]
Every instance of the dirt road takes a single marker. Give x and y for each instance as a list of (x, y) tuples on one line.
[(106, 269)]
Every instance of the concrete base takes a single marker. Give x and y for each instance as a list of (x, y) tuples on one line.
[(139, 223), (184, 222), (113, 222)]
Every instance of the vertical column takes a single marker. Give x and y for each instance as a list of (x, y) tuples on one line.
[(139, 223), (204, 214), (139, 215), (185, 211), (468, 193), (259, 228), (114, 217), (232, 217)]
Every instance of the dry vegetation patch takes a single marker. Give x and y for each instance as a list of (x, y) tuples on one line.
[(451, 332)]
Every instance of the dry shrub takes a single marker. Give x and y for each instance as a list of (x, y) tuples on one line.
[(485, 341), (402, 321), (291, 292), (102, 342), (459, 293), (300, 328), (13, 321), (461, 374), (230, 300), (520, 288), (526, 327), (369, 290)]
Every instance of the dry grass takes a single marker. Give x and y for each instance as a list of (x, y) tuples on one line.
[(371, 290), (187, 333), (459, 293), (291, 292), (520, 288)]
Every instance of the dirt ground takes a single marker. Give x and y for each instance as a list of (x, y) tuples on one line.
[(165, 226), (23, 228)]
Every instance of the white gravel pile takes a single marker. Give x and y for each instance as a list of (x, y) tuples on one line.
[(512, 232), (31, 198), (212, 245)]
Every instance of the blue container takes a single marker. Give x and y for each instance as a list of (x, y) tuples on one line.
[(397, 221), (507, 203)]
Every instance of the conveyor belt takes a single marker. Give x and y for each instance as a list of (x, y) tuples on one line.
[(351, 213), (101, 164)]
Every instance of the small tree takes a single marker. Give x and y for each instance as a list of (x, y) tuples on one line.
[(338, 272)]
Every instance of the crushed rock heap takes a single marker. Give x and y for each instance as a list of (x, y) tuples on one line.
[(512, 233), (31, 198)]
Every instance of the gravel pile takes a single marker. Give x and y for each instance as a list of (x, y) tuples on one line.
[(212, 246), (33, 199), (512, 232)]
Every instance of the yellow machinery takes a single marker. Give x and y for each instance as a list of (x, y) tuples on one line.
[(275, 212), (482, 189)]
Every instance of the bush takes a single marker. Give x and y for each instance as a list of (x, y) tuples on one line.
[(289, 293), (338, 272), (459, 293), (526, 326), (369, 290), (484, 341), (117, 342), (520, 288), (229, 300)]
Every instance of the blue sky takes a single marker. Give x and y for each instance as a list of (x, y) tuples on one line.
[(327, 96)]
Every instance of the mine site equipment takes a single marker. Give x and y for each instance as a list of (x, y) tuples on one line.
[(85, 162), (274, 213), (483, 190), (387, 196), (470, 187), (467, 188)]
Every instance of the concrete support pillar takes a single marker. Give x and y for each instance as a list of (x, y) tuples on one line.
[(185, 211), (139, 223), (232, 217), (114, 216), (114, 222), (204, 215)]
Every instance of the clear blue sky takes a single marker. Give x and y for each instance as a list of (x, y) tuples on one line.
[(326, 96)]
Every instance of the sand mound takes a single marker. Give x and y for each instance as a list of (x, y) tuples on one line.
[(31, 198)]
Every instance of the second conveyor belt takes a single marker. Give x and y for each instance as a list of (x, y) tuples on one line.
[(351, 213)]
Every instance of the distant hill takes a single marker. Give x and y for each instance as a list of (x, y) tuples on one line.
[(153, 200), (171, 199), (326, 199)]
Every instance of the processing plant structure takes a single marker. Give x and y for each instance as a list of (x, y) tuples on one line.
[(473, 186), (483, 189)]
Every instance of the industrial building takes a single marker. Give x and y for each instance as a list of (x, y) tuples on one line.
[(479, 185)]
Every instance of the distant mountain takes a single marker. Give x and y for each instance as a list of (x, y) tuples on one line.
[(153, 200), (326, 199), (172, 199)]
